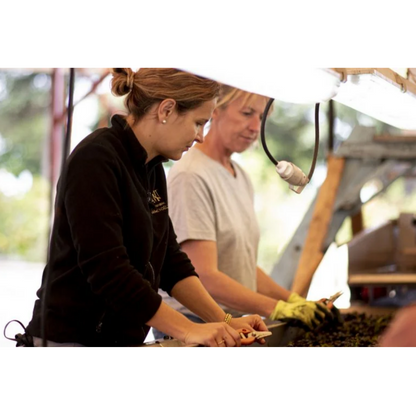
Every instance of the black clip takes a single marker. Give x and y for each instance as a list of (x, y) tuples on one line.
[(23, 340)]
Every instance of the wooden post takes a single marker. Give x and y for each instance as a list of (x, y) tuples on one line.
[(357, 223), (312, 253)]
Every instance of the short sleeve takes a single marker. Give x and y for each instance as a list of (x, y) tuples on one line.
[(191, 207)]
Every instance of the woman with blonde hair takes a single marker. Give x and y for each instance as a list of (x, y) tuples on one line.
[(113, 244), (211, 202)]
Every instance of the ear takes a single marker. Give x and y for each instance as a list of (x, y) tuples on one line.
[(215, 113), (166, 108)]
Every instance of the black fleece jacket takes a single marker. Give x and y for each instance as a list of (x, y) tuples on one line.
[(112, 244)]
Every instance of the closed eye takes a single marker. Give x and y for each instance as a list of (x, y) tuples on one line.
[(201, 123)]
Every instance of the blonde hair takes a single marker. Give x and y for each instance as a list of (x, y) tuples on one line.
[(229, 94), (148, 86)]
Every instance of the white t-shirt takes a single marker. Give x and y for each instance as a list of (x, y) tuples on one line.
[(206, 202)]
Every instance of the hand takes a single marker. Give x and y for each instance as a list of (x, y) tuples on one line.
[(217, 334), (251, 322), (332, 314), (336, 317), (299, 310), (336, 314)]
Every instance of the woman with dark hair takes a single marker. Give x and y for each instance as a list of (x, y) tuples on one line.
[(113, 244)]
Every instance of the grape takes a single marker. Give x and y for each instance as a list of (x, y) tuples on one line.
[(356, 330)]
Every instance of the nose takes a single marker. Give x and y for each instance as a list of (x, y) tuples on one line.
[(255, 124), (199, 138)]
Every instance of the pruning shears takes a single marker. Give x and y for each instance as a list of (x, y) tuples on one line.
[(330, 301), (248, 337)]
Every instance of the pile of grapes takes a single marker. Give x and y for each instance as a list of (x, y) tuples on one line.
[(356, 330)]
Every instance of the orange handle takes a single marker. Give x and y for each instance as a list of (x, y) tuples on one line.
[(326, 302), (245, 340)]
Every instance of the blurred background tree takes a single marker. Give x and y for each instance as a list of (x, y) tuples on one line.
[(24, 120), (24, 189)]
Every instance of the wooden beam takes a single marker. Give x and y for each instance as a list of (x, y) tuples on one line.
[(395, 139), (312, 253), (362, 145), (381, 279)]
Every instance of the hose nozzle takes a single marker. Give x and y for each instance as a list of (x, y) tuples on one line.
[(292, 175)]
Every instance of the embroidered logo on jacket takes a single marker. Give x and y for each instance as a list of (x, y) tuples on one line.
[(157, 202)]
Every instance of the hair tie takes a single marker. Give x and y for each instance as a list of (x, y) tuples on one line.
[(130, 80)]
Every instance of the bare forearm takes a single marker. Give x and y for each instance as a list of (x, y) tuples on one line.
[(170, 322), (216, 334), (222, 287), (233, 294), (268, 287), (191, 293)]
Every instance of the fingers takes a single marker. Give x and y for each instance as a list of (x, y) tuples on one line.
[(251, 322), (331, 313), (316, 323), (337, 315), (222, 343), (234, 335), (318, 315), (226, 337), (259, 324), (323, 309)]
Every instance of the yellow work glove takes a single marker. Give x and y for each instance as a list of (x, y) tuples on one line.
[(299, 310), (332, 314), (294, 297)]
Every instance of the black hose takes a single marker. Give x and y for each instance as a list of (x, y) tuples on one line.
[(67, 141), (262, 133), (263, 136), (315, 150)]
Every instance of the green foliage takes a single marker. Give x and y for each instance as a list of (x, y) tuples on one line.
[(24, 119), (24, 109), (25, 222)]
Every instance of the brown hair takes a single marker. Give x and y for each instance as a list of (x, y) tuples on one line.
[(229, 94), (148, 86)]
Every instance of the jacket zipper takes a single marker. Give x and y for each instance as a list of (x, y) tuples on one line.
[(149, 202), (153, 273), (100, 324)]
